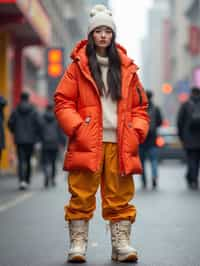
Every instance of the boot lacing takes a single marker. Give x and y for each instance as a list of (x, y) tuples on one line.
[(78, 237), (120, 234)]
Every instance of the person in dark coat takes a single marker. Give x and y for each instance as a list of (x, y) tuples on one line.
[(3, 103), (51, 139), (24, 124), (188, 122), (149, 150)]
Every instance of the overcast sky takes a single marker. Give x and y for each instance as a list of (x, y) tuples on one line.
[(130, 17)]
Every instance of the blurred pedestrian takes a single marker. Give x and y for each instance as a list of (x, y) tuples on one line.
[(102, 107), (3, 103), (51, 140), (149, 150), (189, 132), (24, 124)]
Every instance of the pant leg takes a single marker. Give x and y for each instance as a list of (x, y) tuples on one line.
[(0, 158), (83, 186), (198, 162), (45, 163), (53, 158), (117, 191), (28, 156), (187, 174), (45, 166), (193, 165), (153, 157), (21, 162), (143, 159)]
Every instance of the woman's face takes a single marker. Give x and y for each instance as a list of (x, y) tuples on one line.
[(102, 37)]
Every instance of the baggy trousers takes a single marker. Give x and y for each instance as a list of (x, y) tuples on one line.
[(116, 190)]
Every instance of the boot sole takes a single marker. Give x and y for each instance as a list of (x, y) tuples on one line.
[(132, 257), (76, 258)]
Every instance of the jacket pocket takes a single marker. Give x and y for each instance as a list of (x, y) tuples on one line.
[(131, 142), (85, 138)]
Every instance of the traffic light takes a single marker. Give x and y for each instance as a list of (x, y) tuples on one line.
[(54, 67)]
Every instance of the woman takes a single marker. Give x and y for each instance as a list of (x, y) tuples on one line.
[(101, 106)]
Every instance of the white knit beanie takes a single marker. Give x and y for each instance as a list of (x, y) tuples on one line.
[(101, 16)]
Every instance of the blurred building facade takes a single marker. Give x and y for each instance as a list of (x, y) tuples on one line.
[(193, 15), (27, 28), (152, 48), (171, 52), (22, 24), (184, 50)]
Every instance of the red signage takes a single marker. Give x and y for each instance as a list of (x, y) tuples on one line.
[(194, 40)]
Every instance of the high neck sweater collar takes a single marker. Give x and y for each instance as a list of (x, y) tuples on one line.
[(102, 60)]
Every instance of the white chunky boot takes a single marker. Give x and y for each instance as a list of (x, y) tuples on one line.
[(120, 236), (78, 232)]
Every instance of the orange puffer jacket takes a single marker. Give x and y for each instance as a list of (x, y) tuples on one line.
[(79, 113)]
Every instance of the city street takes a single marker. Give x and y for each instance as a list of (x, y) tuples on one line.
[(89, 83), (166, 233)]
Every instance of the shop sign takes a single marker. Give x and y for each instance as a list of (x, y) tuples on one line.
[(194, 40)]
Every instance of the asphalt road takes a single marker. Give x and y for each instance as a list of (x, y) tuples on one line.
[(166, 233)]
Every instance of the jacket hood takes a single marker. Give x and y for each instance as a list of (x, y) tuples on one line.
[(25, 107), (49, 116), (79, 53), (195, 98)]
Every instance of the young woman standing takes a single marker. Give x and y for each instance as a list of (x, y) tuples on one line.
[(102, 107)]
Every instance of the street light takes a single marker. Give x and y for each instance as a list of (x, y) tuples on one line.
[(167, 88)]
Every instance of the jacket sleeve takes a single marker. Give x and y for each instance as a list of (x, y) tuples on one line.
[(12, 121), (180, 120), (65, 97), (158, 117), (140, 115)]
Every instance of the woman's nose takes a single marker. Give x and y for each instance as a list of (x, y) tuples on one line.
[(103, 34)]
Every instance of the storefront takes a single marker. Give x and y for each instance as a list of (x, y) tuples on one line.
[(23, 23), (194, 41)]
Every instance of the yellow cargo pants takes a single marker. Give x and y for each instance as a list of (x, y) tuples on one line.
[(116, 190)]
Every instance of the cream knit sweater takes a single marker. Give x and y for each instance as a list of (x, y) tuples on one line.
[(109, 107)]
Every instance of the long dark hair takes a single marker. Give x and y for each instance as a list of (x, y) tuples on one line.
[(114, 68)]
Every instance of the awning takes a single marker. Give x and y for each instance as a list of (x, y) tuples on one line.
[(27, 20)]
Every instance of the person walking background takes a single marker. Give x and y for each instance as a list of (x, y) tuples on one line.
[(149, 150), (188, 123), (24, 124), (51, 139), (3, 103), (102, 107)]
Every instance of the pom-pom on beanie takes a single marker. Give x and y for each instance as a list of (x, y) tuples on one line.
[(101, 16)]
